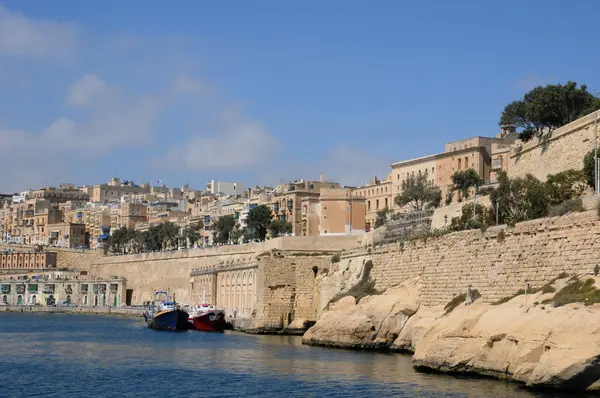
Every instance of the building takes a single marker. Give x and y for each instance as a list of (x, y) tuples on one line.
[(472, 153), (114, 190), (27, 260), (225, 188), (318, 208), (130, 214), (63, 193), (378, 196), (340, 212), (47, 288)]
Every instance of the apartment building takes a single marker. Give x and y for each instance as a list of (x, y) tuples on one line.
[(64, 193), (473, 153), (114, 190), (314, 208), (378, 196)]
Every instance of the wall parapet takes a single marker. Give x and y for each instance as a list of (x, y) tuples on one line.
[(555, 151), (497, 262)]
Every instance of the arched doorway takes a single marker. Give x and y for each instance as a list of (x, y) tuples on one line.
[(69, 299), (19, 299), (104, 301), (50, 300), (5, 299), (115, 302), (84, 300), (33, 300), (95, 301)]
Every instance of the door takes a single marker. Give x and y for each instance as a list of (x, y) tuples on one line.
[(115, 301), (68, 299), (19, 300)]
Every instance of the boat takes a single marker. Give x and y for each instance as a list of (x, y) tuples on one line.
[(207, 318), (166, 314)]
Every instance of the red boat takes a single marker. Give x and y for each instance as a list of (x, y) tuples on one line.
[(206, 317)]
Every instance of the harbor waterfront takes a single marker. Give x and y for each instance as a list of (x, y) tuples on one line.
[(116, 356)]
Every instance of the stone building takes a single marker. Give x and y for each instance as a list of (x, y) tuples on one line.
[(63, 193), (319, 208), (378, 196), (473, 153), (62, 287), (114, 190), (27, 260)]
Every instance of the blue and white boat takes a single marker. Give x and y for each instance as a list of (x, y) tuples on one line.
[(166, 314)]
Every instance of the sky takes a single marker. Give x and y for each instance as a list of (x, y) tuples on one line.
[(268, 91)]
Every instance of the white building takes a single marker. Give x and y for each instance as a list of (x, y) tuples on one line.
[(224, 188)]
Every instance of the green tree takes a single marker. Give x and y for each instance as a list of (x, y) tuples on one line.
[(549, 107), (222, 229), (519, 199), (280, 228), (381, 217), (467, 221), (237, 233), (419, 193), (191, 235), (589, 165), (259, 219), (566, 185), (463, 180)]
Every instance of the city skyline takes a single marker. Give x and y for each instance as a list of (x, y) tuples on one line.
[(263, 94)]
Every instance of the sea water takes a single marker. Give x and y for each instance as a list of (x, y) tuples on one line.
[(69, 355)]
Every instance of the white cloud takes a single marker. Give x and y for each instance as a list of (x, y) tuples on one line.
[(52, 154), (240, 144), (185, 84), (85, 90), (22, 36)]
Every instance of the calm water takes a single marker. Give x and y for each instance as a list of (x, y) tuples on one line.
[(55, 355)]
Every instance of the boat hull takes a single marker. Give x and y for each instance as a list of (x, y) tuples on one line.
[(211, 321), (169, 320)]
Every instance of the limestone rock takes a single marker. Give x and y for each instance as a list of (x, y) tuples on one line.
[(550, 347), (374, 322)]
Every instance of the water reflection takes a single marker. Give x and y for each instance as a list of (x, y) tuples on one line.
[(115, 356)]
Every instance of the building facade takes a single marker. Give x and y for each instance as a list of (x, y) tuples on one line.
[(48, 288)]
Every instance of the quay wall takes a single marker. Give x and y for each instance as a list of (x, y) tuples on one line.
[(498, 262)]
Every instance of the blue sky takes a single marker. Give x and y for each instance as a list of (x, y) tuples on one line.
[(263, 92)]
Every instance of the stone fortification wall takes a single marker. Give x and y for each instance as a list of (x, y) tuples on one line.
[(148, 272), (497, 262), (560, 150), (288, 293)]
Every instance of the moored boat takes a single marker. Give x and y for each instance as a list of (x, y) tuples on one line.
[(166, 314), (207, 318)]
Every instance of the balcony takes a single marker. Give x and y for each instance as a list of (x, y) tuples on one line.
[(49, 289)]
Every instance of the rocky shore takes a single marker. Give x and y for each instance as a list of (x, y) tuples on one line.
[(543, 340)]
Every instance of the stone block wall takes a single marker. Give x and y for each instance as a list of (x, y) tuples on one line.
[(288, 293), (497, 262), (560, 150)]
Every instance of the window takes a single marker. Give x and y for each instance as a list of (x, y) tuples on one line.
[(398, 177), (377, 204), (369, 205), (466, 162), (386, 202), (459, 164)]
